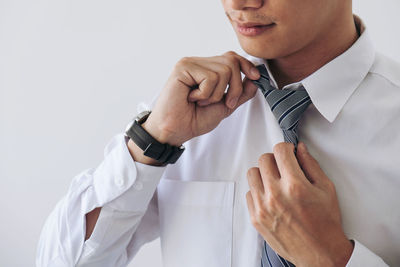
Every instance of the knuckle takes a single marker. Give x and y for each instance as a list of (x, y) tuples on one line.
[(251, 172), (268, 187), (261, 215), (230, 53), (212, 76), (182, 65), (231, 59), (282, 147), (331, 186), (295, 189), (226, 70), (272, 200), (254, 220), (264, 158), (183, 61), (248, 195)]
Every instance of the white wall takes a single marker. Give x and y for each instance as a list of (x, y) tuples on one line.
[(71, 74)]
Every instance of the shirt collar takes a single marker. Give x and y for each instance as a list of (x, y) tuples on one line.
[(332, 85)]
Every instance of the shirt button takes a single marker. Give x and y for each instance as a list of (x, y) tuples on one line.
[(119, 181), (138, 185)]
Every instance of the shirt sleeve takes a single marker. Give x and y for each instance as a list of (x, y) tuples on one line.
[(125, 190), (362, 256)]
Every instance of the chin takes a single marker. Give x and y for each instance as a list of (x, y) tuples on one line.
[(261, 48)]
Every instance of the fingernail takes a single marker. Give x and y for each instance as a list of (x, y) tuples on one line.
[(232, 102), (254, 71)]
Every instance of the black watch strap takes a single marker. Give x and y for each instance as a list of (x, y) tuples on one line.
[(163, 153)]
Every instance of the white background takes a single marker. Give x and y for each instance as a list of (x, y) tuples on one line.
[(71, 75)]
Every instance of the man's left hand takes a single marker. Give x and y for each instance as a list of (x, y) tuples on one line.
[(294, 206)]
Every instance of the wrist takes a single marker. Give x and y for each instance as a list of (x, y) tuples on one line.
[(345, 254), (160, 134), (148, 144), (341, 253), (138, 156)]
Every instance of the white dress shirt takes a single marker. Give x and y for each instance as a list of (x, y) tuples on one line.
[(198, 207)]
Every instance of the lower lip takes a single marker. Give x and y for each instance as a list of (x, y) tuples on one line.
[(253, 31)]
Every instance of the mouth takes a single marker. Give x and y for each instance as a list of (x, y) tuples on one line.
[(252, 28)]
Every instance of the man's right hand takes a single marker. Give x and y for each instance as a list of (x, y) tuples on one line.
[(193, 101)]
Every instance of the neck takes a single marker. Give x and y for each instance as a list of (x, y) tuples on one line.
[(299, 65)]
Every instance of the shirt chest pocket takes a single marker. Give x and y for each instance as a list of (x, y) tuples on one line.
[(196, 222)]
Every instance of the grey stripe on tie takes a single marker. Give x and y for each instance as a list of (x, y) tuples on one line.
[(289, 111), (294, 115), (283, 98)]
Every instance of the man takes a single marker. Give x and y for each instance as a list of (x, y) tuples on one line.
[(331, 203)]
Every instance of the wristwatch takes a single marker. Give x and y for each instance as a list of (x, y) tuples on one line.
[(163, 153)]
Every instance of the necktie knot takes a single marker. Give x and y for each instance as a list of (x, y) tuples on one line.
[(287, 105)]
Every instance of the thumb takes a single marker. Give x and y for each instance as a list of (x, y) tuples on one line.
[(249, 91), (310, 166)]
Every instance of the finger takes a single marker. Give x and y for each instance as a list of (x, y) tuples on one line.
[(249, 91), (269, 171), (310, 166), (235, 85), (238, 64), (286, 160), (201, 80), (235, 88), (224, 76), (250, 204), (246, 66), (256, 186)]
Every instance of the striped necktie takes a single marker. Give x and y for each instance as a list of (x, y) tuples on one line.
[(287, 106)]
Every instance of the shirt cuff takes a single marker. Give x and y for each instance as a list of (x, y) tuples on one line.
[(362, 256), (121, 182)]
